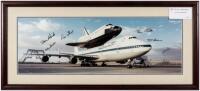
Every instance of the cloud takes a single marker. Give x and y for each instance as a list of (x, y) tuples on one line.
[(129, 31), (148, 33), (30, 33), (177, 44), (161, 26), (96, 20), (29, 41), (169, 53), (174, 22), (33, 41), (44, 25), (26, 27), (47, 25), (132, 31), (36, 37)]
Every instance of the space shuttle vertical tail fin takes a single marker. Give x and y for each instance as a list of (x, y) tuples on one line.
[(86, 31)]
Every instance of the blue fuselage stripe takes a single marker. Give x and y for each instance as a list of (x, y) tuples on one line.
[(120, 48)]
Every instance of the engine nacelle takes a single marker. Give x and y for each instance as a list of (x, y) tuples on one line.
[(73, 60), (121, 62), (45, 58)]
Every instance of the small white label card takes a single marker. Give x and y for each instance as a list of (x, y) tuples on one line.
[(180, 13)]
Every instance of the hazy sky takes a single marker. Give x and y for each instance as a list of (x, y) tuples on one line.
[(32, 30)]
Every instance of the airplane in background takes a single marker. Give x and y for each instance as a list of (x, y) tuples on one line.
[(148, 30), (98, 37), (144, 30), (138, 31), (122, 50), (149, 40)]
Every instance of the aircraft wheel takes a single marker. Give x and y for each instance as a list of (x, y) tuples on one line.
[(130, 66), (94, 64), (133, 64), (87, 64), (144, 65), (103, 64), (83, 64)]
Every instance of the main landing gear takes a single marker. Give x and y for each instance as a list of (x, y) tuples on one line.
[(85, 63), (103, 64)]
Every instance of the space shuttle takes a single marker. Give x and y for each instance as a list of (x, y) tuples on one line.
[(98, 37)]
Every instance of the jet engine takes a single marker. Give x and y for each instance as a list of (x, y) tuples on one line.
[(45, 58), (121, 62), (74, 60)]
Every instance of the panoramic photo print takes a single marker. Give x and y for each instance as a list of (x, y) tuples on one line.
[(99, 45)]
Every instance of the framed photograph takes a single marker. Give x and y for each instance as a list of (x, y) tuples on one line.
[(100, 45)]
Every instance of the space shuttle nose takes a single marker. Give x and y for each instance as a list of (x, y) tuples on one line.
[(117, 28), (113, 30)]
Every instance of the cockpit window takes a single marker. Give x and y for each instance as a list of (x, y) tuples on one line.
[(109, 25), (131, 37)]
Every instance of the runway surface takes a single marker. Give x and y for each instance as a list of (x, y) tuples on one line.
[(72, 69)]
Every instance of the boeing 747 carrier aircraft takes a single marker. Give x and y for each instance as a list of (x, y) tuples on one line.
[(121, 50), (124, 49)]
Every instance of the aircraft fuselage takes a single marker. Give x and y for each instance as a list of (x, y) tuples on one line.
[(121, 49)]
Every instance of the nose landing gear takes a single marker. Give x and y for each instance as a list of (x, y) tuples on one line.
[(138, 62), (130, 64)]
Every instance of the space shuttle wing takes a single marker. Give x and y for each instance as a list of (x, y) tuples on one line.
[(77, 44)]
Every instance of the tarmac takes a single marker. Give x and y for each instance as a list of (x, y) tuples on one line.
[(110, 69)]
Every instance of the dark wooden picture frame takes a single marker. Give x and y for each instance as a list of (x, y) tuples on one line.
[(4, 42)]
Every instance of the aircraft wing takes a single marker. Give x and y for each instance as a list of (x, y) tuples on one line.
[(88, 57)]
